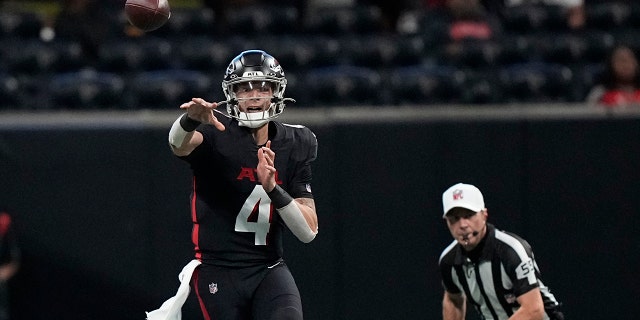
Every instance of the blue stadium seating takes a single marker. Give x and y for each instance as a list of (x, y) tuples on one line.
[(482, 87), (261, 19), (134, 55), (342, 20), (10, 92), (86, 89), (536, 82), (471, 53), (20, 24), (168, 89), (527, 18), (608, 15), (191, 21), (204, 53), (342, 85), (28, 56), (337, 55), (426, 84)]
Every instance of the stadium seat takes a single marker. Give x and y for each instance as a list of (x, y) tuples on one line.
[(382, 51), (342, 85), (524, 19), (599, 45), (263, 19), (537, 82), (10, 92), (28, 56), (132, 55), (482, 87), (412, 50), (69, 56), (344, 20), (25, 25), (563, 48), (168, 89), (120, 56), (433, 25), (607, 15), (86, 89), (471, 53), (634, 15), (368, 19), (192, 21), (289, 20), (327, 52), (367, 51), (431, 84), (205, 54), (518, 49), (33, 56), (629, 37), (296, 53), (586, 77)]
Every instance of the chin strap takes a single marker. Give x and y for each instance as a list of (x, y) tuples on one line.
[(235, 102)]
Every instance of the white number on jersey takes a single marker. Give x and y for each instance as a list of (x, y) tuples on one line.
[(525, 270), (255, 215)]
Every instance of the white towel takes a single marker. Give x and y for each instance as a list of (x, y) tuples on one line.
[(172, 308)]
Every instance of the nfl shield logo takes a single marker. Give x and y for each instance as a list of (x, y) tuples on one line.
[(213, 288), (510, 297)]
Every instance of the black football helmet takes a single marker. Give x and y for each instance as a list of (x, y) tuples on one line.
[(254, 66)]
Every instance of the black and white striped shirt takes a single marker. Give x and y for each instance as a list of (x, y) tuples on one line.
[(500, 269)]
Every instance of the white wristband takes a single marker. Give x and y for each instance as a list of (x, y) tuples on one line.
[(178, 131), (295, 221)]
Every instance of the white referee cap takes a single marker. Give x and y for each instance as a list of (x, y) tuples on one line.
[(463, 196)]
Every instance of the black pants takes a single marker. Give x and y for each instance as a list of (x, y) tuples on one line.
[(254, 293)]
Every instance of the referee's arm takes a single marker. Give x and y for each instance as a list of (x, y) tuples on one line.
[(453, 306), (531, 306)]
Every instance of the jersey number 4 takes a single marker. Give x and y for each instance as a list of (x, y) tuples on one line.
[(255, 215)]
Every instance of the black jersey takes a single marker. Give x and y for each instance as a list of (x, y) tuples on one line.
[(500, 269), (234, 223)]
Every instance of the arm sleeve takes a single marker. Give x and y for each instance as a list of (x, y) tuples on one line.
[(305, 155), (446, 272), (519, 265)]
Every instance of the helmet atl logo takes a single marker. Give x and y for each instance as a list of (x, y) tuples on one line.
[(252, 74), (213, 288), (457, 194)]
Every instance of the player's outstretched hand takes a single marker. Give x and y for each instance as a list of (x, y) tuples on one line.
[(202, 110)]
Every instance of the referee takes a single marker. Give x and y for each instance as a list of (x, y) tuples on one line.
[(492, 270)]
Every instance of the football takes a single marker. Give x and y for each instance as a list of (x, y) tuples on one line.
[(147, 15)]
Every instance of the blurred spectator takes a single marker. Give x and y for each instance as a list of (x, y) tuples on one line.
[(462, 20), (574, 9), (619, 85), (223, 8), (9, 261), (469, 20)]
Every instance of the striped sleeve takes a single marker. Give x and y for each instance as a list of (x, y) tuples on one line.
[(518, 262)]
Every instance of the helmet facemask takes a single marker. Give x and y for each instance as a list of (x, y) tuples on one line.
[(254, 119), (250, 70)]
